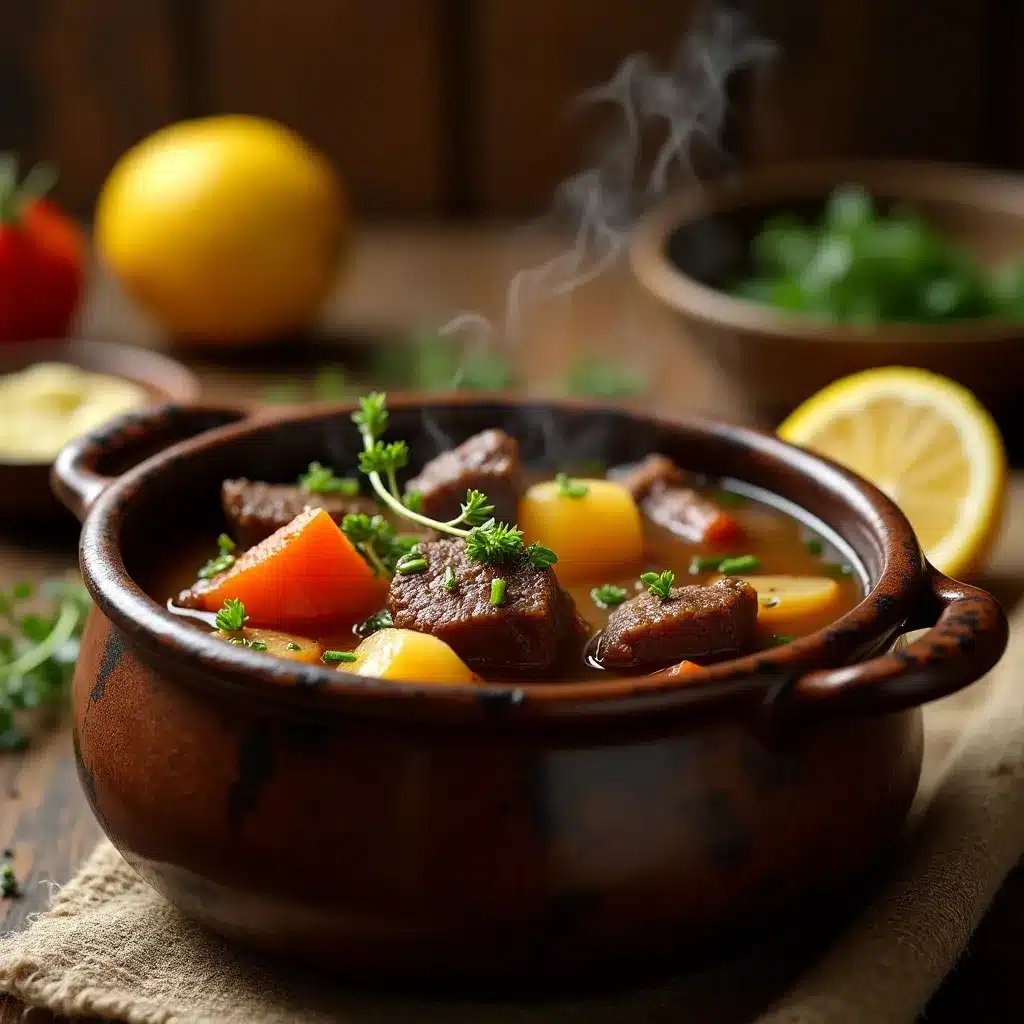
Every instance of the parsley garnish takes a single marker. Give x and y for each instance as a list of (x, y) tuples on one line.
[(8, 882), (740, 564), (379, 620), (231, 618), (38, 651), (293, 646), (608, 595), (241, 641), (375, 539), (321, 480), (497, 592), (223, 561), (659, 583), (486, 540), (569, 488), (336, 657), (449, 582)]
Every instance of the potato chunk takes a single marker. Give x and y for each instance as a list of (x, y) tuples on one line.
[(281, 645), (406, 656), (795, 604), (593, 531)]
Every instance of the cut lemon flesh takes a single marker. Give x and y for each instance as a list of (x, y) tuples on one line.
[(927, 443)]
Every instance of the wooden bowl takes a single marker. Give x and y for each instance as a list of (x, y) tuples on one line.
[(495, 834), (25, 494), (696, 243)]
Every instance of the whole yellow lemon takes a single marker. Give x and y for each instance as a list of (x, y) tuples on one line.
[(227, 229)]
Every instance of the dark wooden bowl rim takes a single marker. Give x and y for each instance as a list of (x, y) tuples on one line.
[(993, 191)]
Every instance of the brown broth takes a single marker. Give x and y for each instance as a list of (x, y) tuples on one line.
[(778, 539)]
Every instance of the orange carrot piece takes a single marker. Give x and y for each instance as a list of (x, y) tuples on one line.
[(685, 668), (306, 574), (722, 529)]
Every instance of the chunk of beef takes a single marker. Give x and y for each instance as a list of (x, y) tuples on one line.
[(658, 485), (255, 509), (528, 633), (653, 472), (488, 462), (649, 633)]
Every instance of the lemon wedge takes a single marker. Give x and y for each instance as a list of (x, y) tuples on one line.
[(927, 443)]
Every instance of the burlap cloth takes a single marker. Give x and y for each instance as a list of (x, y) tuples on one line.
[(110, 947)]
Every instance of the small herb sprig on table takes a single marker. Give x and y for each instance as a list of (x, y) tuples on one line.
[(38, 650), (487, 540)]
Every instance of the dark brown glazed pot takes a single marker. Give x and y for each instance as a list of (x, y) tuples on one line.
[(545, 831)]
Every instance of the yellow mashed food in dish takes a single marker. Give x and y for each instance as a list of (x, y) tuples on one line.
[(49, 404)]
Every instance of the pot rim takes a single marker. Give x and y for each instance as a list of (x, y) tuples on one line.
[(741, 684), (974, 187)]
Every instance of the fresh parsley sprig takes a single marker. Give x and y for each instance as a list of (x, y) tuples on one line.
[(320, 479), (486, 540), (659, 583), (376, 540), (231, 618), (222, 562), (38, 650)]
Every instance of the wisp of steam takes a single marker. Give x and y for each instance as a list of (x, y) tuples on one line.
[(657, 118)]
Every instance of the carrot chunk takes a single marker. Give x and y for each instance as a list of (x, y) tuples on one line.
[(722, 529), (307, 574)]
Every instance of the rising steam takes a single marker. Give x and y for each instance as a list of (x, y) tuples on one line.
[(657, 119)]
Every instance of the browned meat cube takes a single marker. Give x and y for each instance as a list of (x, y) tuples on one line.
[(255, 509), (488, 462), (530, 632), (653, 472), (649, 633), (658, 485)]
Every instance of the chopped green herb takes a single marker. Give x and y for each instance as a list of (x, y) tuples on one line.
[(781, 639), (321, 480), (337, 657), (8, 882), (699, 563), (413, 500), (569, 488), (837, 570), (486, 541), (539, 556), (375, 539), (231, 618), (293, 646), (742, 564), (223, 561), (497, 592), (38, 651), (449, 582), (608, 595), (241, 641), (410, 564), (729, 499), (377, 621), (814, 546), (659, 583)]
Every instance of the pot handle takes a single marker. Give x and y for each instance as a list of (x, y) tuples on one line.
[(85, 466), (967, 637)]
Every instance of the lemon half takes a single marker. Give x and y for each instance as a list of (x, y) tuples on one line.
[(927, 443)]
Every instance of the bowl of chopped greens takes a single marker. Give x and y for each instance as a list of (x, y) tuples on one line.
[(792, 276)]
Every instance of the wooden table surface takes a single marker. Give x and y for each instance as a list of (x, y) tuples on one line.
[(402, 278)]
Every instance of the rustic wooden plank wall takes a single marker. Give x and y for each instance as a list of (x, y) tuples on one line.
[(460, 107)]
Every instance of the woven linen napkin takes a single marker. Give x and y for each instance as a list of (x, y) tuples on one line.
[(110, 947)]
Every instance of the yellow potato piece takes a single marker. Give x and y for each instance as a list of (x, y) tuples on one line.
[(409, 657), (794, 604), (277, 643), (593, 535)]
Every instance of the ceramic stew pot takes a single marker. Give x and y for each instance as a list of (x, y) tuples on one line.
[(545, 831)]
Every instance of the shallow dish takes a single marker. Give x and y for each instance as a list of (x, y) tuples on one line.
[(495, 833), (25, 494), (695, 244)]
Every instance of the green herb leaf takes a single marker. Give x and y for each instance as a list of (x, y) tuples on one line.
[(539, 556), (476, 509), (448, 581), (375, 539), (376, 622), (231, 618), (8, 882), (224, 560), (699, 564), (497, 592), (814, 546), (659, 583), (740, 564), (413, 501), (608, 595), (336, 657), (569, 488), (384, 458), (241, 641), (320, 479), (781, 639), (410, 564), (372, 416), (494, 543), (292, 646)]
